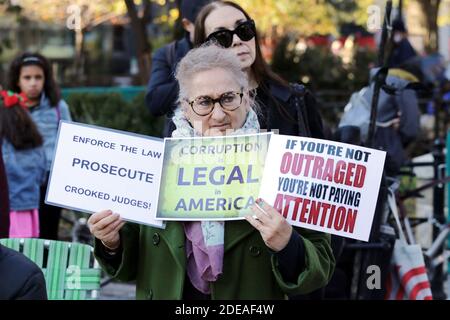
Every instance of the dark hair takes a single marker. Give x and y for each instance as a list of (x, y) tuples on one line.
[(51, 89), (260, 69), (17, 127), (398, 25)]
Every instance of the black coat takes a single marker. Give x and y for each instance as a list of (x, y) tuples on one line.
[(273, 118), (4, 199), (20, 278), (162, 89), (402, 52)]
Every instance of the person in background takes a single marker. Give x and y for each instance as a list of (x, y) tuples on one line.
[(402, 50), (20, 278), (31, 74), (398, 114), (4, 198), (162, 87), (25, 164), (288, 108)]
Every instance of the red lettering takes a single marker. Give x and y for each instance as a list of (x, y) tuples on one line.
[(360, 176), (340, 219), (325, 208), (328, 172), (349, 174), (298, 164), (350, 221), (278, 205), (287, 201), (295, 211), (308, 164), (314, 212), (286, 162), (304, 210), (330, 218), (317, 168), (339, 172)]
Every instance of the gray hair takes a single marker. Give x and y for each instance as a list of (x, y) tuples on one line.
[(205, 58)]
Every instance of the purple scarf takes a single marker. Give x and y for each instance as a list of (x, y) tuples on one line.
[(204, 252)]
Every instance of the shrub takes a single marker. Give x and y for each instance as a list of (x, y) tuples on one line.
[(111, 110)]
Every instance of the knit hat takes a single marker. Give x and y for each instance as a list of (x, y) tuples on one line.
[(191, 8), (398, 25)]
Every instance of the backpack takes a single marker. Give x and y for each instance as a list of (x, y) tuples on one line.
[(357, 113)]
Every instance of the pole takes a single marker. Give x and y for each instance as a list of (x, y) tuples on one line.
[(438, 278), (379, 249), (380, 77)]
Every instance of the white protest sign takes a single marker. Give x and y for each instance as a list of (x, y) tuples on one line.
[(96, 168), (323, 185)]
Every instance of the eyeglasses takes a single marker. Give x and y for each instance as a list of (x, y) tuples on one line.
[(204, 105), (245, 31)]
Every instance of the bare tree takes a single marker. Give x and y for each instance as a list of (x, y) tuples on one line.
[(77, 15), (430, 9), (143, 46)]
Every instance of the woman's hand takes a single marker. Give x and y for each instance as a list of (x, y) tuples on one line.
[(274, 228), (105, 226)]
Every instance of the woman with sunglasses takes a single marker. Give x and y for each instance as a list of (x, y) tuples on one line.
[(286, 108), (261, 258), (228, 25)]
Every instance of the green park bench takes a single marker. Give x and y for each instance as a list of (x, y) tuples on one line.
[(70, 269)]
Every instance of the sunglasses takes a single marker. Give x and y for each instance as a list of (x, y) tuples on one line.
[(245, 31)]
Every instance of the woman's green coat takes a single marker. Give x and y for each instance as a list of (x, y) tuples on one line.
[(156, 259)]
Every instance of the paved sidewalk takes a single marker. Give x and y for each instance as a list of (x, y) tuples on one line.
[(118, 291), (447, 287), (126, 291)]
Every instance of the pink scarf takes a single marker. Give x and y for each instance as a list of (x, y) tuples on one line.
[(204, 252)]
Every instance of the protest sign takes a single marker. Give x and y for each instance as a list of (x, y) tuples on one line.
[(211, 178), (323, 185), (96, 168)]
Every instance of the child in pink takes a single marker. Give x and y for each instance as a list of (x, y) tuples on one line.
[(24, 160)]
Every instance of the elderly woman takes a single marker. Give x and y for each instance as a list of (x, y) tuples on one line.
[(261, 258)]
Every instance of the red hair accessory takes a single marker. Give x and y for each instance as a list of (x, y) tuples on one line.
[(10, 99)]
